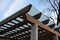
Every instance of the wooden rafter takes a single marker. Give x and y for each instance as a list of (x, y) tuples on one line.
[(33, 20)]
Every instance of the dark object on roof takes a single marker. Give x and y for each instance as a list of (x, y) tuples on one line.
[(45, 22), (52, 25)]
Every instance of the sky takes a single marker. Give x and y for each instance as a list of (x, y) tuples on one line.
[(9, 7)]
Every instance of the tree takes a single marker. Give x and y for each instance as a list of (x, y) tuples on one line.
[(56, 7), (58, 14)]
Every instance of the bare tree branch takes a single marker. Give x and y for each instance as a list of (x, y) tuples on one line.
[(55, 3), (53, 6), (51, 19)]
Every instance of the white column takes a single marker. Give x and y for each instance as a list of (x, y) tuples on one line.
[(56, 37), (34, 32)]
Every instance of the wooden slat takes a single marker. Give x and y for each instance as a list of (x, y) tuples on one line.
[(33, 20), (20, 24), (5, 38), (23, 35), (20, 31), (37, 16), (46, 21), (52, 25), (13, 27), (57, 29), (45, 34)]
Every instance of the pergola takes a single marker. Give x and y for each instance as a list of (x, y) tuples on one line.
[(23, 26)]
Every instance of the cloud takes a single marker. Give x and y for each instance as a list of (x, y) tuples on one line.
[(12, 8)]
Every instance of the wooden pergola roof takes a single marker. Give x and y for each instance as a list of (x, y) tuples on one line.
[(19, 25)]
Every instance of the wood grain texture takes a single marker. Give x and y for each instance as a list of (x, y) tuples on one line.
[(35, 21)]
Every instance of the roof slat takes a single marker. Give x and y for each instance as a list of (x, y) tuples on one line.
[(20, 24), (45, 21)]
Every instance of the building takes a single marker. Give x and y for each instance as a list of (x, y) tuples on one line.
[(23, 26)]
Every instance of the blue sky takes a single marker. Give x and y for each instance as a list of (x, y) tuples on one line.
[(9, 7), (4, 6)]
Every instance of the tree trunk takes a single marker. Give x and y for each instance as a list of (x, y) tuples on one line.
[(58, 16)]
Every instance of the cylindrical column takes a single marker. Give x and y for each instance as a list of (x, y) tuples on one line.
[(34, 32)]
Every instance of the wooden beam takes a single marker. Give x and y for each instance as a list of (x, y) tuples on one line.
[(35, 21), (46, 21), (34, 32)]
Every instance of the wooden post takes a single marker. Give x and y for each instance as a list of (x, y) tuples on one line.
[(34, 32), (56, 37)]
